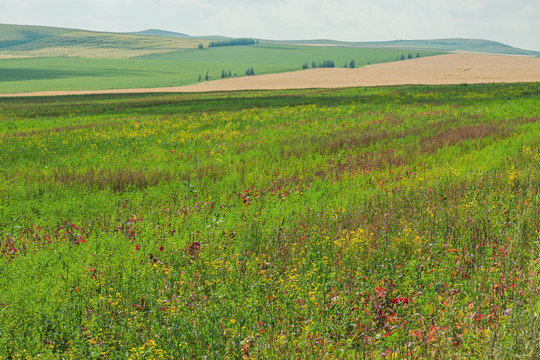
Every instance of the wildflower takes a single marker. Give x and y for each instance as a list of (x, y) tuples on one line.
[(194, 248)]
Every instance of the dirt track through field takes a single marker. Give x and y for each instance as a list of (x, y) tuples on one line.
[(434, 70)]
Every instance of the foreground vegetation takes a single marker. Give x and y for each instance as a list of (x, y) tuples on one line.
[(387, 223)]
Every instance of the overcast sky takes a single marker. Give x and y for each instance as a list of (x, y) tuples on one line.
[(513, 22)]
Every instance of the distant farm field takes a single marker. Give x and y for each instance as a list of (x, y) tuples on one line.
[(362, 223), (174, 69), (292, 56)]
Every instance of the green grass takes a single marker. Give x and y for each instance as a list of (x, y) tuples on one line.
[(391, 222), (33, 41), (12, 35), (290, 57), (90, 74), (174, 69)]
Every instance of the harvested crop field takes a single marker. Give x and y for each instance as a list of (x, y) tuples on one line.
[(443, 69)]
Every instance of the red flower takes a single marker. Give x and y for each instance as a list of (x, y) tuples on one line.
[(194, 248), (137, 247)]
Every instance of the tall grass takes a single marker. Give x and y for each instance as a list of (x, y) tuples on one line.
[(357, 223)]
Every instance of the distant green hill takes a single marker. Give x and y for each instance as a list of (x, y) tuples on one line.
[(12, 35), (472, 45), (156, 32), (469, 45), (18, 41)]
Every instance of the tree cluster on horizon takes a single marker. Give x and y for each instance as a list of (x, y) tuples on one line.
[(233, 42), (315, 65)]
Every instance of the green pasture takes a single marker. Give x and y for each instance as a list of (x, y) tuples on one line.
[(173, 69), (362, 223), (21, 75), (291, 57)]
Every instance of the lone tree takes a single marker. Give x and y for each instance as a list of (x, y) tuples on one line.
[(201, 46), (409, 56), (352, 64), (417, 55), (206, 77), (402, 57)]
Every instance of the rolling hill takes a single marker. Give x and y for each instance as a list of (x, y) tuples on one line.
[(157, 32), (38, 41), (18, 41), (446, 45), (37, 58)]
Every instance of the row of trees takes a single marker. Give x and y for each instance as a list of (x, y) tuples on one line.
[(409, 56), (227, 74), (329, 64), (232, 42), (324, 64), (351, 64)]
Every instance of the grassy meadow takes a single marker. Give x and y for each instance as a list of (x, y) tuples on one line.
[(362, 223)]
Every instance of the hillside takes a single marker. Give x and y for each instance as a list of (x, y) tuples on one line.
[(32, 41), (13, 35), (39, 41), (467, 45), (156, 32)]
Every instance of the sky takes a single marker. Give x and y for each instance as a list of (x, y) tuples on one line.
[(515, 23)]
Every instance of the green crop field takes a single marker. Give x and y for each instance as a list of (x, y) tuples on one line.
[(362, 223), (291, 57), (42, 74), (51, 59), (173, 69)]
